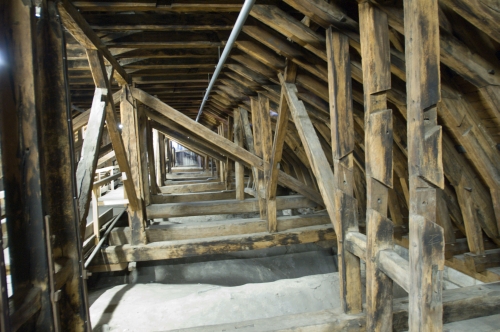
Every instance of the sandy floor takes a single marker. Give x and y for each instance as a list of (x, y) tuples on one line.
[(162, 307)]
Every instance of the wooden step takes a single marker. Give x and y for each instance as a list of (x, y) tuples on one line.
[(223, 207), (213, 245), (157, 233)]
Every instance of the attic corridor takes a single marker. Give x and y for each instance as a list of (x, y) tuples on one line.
[(140, 135)]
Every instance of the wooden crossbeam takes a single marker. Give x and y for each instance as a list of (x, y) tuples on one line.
[(83, 33), (237, 153), (214, 245), (222, 207)]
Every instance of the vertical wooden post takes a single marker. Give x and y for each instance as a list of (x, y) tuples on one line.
[(142, 137), (424, 164), (37, 164), (159, 155), (342, 127), (229, 162), (375, 53), (239, 172), (151, 162), (169, 156), (129, 120), (257, 140), (95, 216)]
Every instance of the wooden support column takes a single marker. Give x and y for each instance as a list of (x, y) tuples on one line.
[(239, 172), (267, 144), (129, 119), (375, 53), (425, 164), (257, 139), (159, 154), (38, 172), (342, 129), (169, 156), (277, 150), (151, 162)]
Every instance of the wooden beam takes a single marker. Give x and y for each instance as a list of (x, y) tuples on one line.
[(79, 28), (320, 166), (136, 215), (277, 150), (342, 133), (479, 14), (194, 197), (214, 245), (237, 153), (158, 233), (87, 165), (422, 47), (291, 28), (375, 53), (239, 172), (222, 207)]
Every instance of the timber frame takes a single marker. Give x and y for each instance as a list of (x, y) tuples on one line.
[(383, 117)]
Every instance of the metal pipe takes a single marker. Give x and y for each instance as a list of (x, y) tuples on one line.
[(242, 17), (99, 245)]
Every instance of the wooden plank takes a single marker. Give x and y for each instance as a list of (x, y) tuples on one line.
[(222, 207), (237, 153), (214, 245), (83, 33), (158, 233)]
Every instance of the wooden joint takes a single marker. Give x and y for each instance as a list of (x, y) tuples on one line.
[(479, 263), (432, 157), (395, 267), (379, 153), (355, 243)]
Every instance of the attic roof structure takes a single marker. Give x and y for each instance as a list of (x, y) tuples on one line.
[(380, 117)]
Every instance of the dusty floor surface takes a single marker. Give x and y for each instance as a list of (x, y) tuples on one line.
[(163, 307)]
